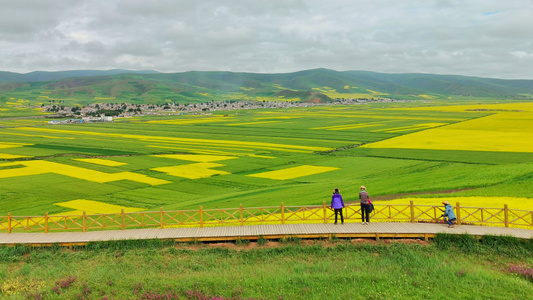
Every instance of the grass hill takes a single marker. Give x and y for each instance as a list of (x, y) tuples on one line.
[(47, 76), (493, 268), (318, 85)]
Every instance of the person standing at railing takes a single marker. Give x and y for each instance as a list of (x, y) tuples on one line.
[(337, 204), (365, 205), (449, 215)]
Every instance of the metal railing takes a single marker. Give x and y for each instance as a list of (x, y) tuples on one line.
[(261, 215)]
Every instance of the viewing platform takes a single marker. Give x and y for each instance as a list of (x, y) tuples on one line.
[(377, 230)]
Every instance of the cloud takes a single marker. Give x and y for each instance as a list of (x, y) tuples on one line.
[(477, 38)]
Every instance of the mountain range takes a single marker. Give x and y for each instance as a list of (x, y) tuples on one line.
[(317, 85)]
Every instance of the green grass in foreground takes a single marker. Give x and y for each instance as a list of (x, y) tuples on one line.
[(456, 267)]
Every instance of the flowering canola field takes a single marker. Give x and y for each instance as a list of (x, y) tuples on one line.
[(257, 158), (509, 129), (37, 167), (295, 172)]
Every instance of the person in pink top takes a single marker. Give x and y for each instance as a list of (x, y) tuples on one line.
[(337, 204)]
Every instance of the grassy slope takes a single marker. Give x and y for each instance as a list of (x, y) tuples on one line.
[(325, 270), (194, 87)]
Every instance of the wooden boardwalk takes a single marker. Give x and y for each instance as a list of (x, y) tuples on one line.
[(375, 230)]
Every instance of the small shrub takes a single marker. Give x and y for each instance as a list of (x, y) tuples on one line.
[(20, 286), (85, 292), (464, 242), (468, 243), (445, 240), (294, 239), (242, 242), (137, 287), (508, 245), (12, 253), (334, 238), (194, 242), (460, 273), (522, 271), (261, 240), (37, 295)]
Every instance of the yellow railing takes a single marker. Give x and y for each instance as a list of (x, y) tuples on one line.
[(262, 215)]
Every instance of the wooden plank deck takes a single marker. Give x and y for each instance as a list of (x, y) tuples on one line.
[(228, 233)]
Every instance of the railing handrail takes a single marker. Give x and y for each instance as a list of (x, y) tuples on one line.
[(268, 214)]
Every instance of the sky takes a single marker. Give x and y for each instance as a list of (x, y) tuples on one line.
[(483, 38)]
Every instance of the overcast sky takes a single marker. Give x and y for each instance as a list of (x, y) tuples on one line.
[(485, 38)]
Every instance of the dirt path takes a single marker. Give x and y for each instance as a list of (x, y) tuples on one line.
[(276, 244)]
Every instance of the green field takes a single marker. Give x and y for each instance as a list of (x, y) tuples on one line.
[(457, 267), (41, 164)]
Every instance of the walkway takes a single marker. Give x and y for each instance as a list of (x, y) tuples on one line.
[(230, 233)]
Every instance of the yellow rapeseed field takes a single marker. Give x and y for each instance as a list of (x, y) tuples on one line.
[(43, 167), (11, 156), (191, 121), (345, 127), (495, 108), (193, 171), (294, 172), (4, 145), (189, 141), (197, 158), (38, 135), (252, 123), (509, 131), (203, 151), (412, 127), (281, 118), (93, 207), (103, 162), (486, 202)]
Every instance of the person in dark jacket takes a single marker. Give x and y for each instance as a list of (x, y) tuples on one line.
[(365, 205), (449, 215), (337, 204)]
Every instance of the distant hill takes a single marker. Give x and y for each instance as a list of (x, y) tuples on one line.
[(318, 85), (47, 76)]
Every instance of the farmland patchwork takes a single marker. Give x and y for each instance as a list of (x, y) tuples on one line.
[(264, 157)]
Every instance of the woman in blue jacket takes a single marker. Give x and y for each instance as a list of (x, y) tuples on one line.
[(337, 204), (448, 215)]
